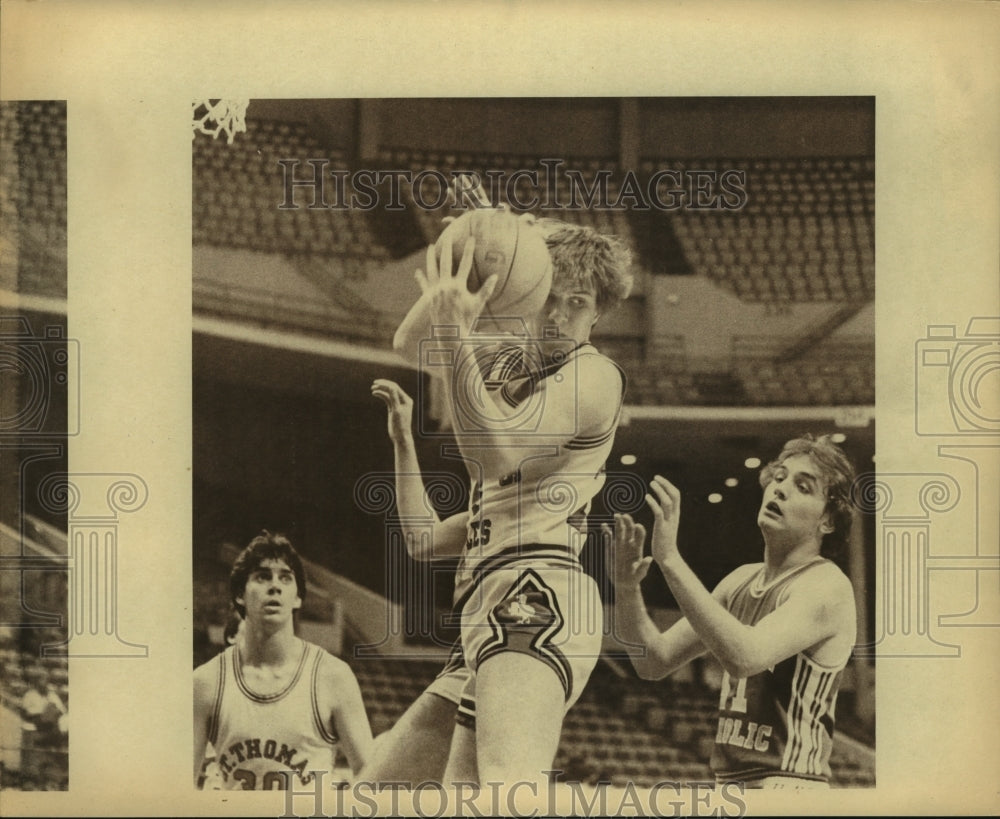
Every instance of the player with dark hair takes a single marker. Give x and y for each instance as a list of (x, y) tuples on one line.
[(530, 616), (233, 629), (783, 630), (273, 706)]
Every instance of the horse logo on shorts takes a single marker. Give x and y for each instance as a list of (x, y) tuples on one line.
[(527, 608), (527, 620)]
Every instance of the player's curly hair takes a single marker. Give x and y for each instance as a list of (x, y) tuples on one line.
[(266, 546), (837, 475), (581, 255)]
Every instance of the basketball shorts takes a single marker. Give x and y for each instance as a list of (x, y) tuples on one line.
[(552, 612), (451, 680)]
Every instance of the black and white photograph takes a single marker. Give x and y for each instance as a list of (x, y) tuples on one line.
[(684, 288), (37, 363), (498, 409)]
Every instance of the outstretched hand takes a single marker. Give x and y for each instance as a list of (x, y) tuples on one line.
[(666, 506), (451, 304), (400, 407), (629, 538)]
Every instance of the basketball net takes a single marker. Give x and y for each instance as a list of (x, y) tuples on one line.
[(219, 116)]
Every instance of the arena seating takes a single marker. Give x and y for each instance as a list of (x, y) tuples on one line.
[(525, 190), (32, 759), (33, 193), (239, 189), (650, 387), (830, 374), (33, 746), (805, 234)]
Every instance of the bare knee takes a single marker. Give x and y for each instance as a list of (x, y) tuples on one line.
[(520, 703), (416, 748)]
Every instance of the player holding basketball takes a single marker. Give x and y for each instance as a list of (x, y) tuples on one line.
[(530, 616), (273, 706), (782, 630)]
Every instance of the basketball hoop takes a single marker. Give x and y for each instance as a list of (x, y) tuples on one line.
[(217, 116)]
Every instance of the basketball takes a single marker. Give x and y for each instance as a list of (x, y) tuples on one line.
[(509, 246)]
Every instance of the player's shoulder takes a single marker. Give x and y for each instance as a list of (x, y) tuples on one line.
[(827, 596), (589, 354), (333, 670), (825, 591), (736, 578), (206, 676), (210, 668), (336, 682), (826, 580), (595, 370)]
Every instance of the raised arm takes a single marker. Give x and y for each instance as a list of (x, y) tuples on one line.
[(817, 609), (416, 511), (654, 654)]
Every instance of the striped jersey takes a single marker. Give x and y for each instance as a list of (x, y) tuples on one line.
[(543, 505), (780, 721), (263, 739)]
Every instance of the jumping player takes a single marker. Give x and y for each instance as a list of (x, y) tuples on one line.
[(535, 451), (273, 706), (783, 630)]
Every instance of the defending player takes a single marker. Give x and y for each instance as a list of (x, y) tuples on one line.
[(535, 450), (782, 630), (272, 705)]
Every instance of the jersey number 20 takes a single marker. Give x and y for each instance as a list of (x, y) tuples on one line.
[(272, 781)]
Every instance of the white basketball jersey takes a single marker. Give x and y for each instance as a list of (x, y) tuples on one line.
[(264, 740)]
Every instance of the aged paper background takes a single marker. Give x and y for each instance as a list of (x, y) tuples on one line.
[(129, 72)]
